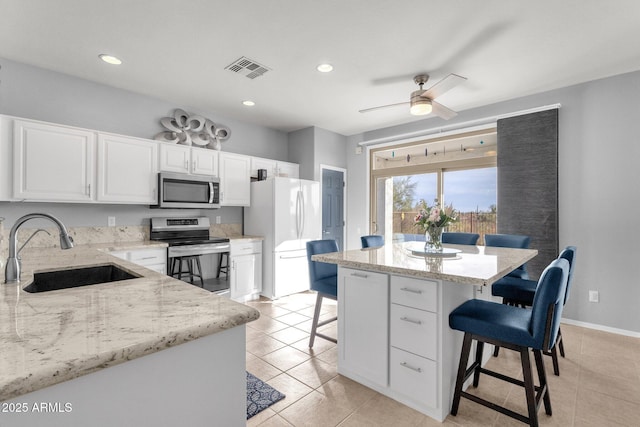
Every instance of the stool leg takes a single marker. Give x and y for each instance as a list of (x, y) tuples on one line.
[(529, 387), (559, 342), (554, 358), (199, 271), (464, 358), (316, 315), (190, 269), (542, 379), (476, 374)]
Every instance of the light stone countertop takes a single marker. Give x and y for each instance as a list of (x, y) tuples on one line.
[(246, 238), (50, 337), (474, 265)]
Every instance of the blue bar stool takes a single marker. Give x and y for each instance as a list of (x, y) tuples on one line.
[(516, 329), (324, 280), (520, 293), (460, 238), (510, 241), (372, 241)]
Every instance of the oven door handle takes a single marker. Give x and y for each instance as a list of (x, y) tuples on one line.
[(210, 193)]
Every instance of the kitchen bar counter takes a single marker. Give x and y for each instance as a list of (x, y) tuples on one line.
[(51, 337), (473, 265)]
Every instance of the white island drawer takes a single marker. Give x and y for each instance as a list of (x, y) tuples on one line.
[(420, 294), (413, 376), (148, 256), (238, 247), (414, 330)]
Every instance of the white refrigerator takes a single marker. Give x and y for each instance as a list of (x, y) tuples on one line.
[(286, 212)]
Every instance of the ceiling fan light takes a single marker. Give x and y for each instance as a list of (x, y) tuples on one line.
[(421, 107)]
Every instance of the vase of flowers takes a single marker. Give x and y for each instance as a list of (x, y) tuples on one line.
[(433, 220)]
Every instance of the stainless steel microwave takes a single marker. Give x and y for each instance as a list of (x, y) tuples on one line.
[(177, 190)]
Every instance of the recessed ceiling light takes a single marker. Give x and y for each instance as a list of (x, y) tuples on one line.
[(109, 59), (248, 103), (325, 68)]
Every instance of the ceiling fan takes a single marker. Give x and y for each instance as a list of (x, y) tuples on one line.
[(422, 101)]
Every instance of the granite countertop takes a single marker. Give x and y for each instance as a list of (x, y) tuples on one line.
[(50, 337), (246, 238), (474, 265)]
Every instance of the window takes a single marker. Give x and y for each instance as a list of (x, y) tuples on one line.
[(460, 171)]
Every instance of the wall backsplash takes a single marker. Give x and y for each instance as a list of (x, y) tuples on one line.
[(97, 235)]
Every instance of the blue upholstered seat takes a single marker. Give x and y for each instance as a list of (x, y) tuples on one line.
[(372, 241), (517, 329), (523, 327), (510, 241), (324, 279), (521, 291), (460, 238)]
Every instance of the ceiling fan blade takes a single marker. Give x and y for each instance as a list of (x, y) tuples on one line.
[(366, 110), (442, 111), (449, 82)]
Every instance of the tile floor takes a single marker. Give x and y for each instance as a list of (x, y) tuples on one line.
[(599, 383)]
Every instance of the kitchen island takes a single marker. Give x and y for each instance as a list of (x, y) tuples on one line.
[(393, 310), (145, 351)]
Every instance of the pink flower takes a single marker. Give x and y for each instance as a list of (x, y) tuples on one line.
[(435, 214)]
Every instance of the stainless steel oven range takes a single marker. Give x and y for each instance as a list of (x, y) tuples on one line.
[(189, 240)]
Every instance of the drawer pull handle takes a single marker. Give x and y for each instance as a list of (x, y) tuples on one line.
[(149, 257), (413, 291), (361, 275), (415, 322), (413, 368)]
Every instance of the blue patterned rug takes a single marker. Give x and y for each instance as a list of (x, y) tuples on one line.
[(260, 395)]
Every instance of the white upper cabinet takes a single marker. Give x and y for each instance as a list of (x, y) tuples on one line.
[(127, 169), (185, 159), (235, 180), (274, 168), (291, 170), (51, 162), (204, 162)]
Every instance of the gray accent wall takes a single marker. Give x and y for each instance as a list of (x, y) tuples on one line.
[(313, 146), (528, 183), (598, 198), (35, 93)]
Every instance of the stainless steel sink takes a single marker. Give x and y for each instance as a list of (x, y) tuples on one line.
[(73, 278)]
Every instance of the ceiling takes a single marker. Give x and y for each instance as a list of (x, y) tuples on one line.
[(178, 50)]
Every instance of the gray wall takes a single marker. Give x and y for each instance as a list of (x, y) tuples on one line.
[(39, 94), (313, 146), (599, 203), (301, 151)]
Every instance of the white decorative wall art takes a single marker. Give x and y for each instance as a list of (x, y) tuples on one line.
[(187, 129)]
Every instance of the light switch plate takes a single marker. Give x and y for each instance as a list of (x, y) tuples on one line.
[(594, 296)]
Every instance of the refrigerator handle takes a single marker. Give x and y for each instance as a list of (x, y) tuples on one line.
[(302, 220), (298, 215)]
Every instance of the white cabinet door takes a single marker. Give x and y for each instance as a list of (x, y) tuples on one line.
[(127, 169), (52, 162), (204, 162), (235, 182), (243, 270), (259, 163), (175, 158), (290, 170), (363, 328)]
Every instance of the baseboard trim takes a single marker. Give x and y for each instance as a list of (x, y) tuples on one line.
[(601, 328)]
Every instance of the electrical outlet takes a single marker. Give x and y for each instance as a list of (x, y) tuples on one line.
[(111, 221), (594, 296), (218, 219)]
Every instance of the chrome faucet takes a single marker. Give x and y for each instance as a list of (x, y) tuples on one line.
[(12, 269)]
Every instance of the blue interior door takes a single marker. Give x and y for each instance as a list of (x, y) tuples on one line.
[(333, 206)]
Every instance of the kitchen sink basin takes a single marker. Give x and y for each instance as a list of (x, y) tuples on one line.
[(73, 278)]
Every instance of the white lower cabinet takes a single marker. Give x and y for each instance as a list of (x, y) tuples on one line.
[(363, 328), (414, 377), (388, 337), (245, 270), (153, 258)]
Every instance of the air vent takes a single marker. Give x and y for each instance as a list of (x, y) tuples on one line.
[(247, 67)]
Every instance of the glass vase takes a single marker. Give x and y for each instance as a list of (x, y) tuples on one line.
[(433, 240)]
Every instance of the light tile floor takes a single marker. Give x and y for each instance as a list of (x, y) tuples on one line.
[(599, 382)]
